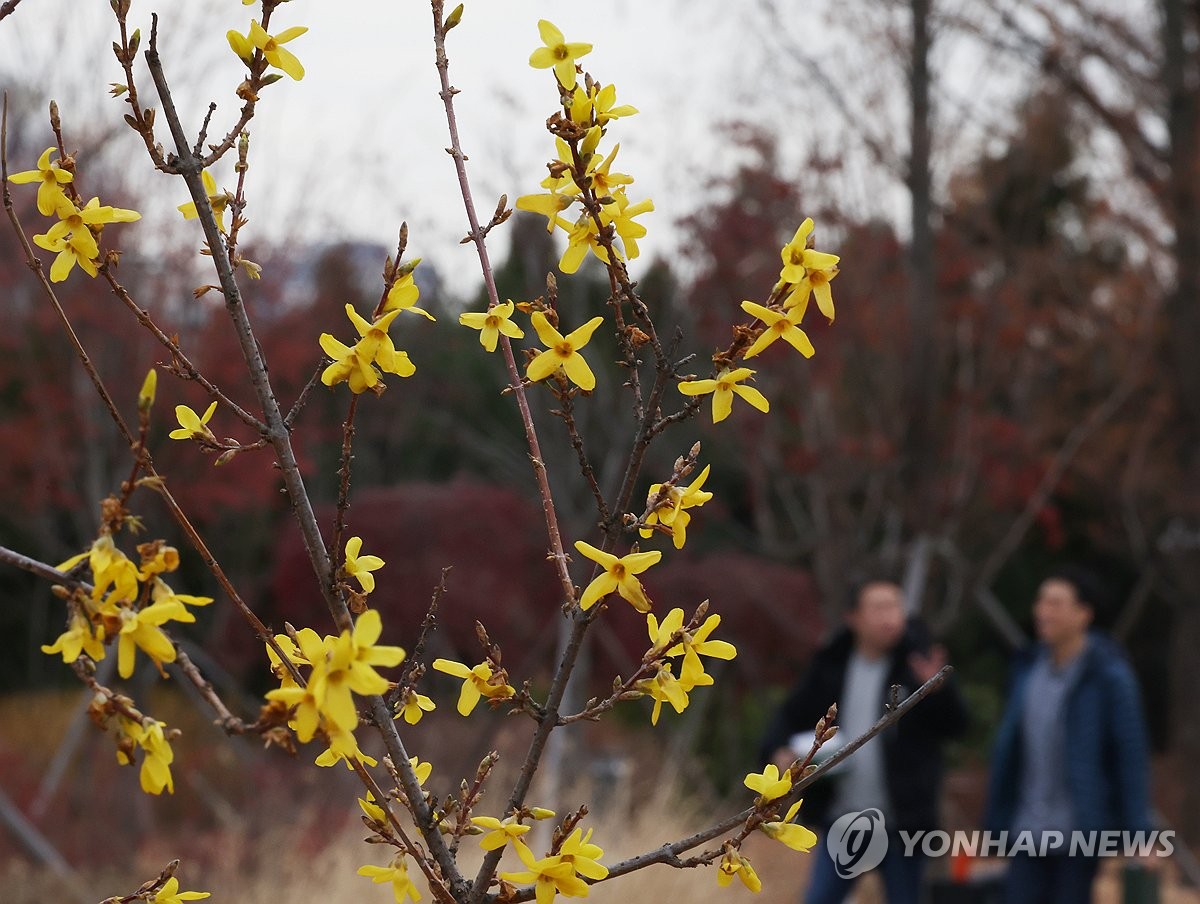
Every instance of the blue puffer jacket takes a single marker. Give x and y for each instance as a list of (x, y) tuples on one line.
[(1106, 752)]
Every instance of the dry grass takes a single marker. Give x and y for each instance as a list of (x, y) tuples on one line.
[(254, 828)]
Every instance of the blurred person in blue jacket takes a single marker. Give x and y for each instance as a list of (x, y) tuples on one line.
[(1071, 750)]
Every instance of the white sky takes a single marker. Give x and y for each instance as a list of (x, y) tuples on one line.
[(357, 145)]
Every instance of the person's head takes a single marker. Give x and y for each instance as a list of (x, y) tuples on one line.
[(876, 616), (1067, 604)]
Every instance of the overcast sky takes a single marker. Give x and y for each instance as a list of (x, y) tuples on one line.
[(357, 145)]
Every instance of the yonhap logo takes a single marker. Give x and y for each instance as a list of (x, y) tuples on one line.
[(857, 842)]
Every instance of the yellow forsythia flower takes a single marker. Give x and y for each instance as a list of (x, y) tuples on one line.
[(722, 387), (51, 176), (360, 567), (397, 874), (217, 200), (618, 574), (769, 783), (500, 833), (810, 271), (271, 47), (563, 351), (356, 365), (734, 864), (492, 323), (795, 836), (557, 54), (780, 325), (477, 681), (170, 893), (192, 425)]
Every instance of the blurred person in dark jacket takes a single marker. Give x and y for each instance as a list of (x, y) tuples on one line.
[(1071, 750), (899, 771)]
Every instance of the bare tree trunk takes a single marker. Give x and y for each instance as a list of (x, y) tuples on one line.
[(923, 370), (1181, 75)]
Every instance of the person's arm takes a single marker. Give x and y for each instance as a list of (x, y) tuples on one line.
[(1126, 729), (942, 714)]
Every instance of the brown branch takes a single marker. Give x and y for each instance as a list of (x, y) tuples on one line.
[(179, 361), (669, 853), (514, 377), (8, 7), (302, 399), (343, 500)]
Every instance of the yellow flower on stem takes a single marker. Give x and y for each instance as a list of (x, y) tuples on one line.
[(192, 425), (672, 511), (360, 567), (405, 292), (356, 365), (352, 658), (51, 176), (81, 637), (477, 681), (583, 856), (598, 104), (794, 835), (722, 387), (492, 323), (734, 864), (74, 219), (558, 54), (158, 559), (549, 205), (500, 833), (769, 783), (664, 688), (815, 282), (414, 707), (271, 47), (619, 575), (155, 775), (798, 258), (397, 874), (74, 248), (141, 629), (563, 351), (170, 893), (780, 325), (217, 200), (580, 238), (621, 213), (691, 645), (550, 875), (343, 747)]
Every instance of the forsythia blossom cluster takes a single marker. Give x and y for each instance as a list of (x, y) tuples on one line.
[(74, 236), (129, 602), (664, 687), (580, 173), (805, 273), (338, 667), (562, 873)]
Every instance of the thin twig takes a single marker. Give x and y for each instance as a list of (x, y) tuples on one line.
[(7, 7), (36, 266), (343, 500), (669, 853), (179, 361)]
